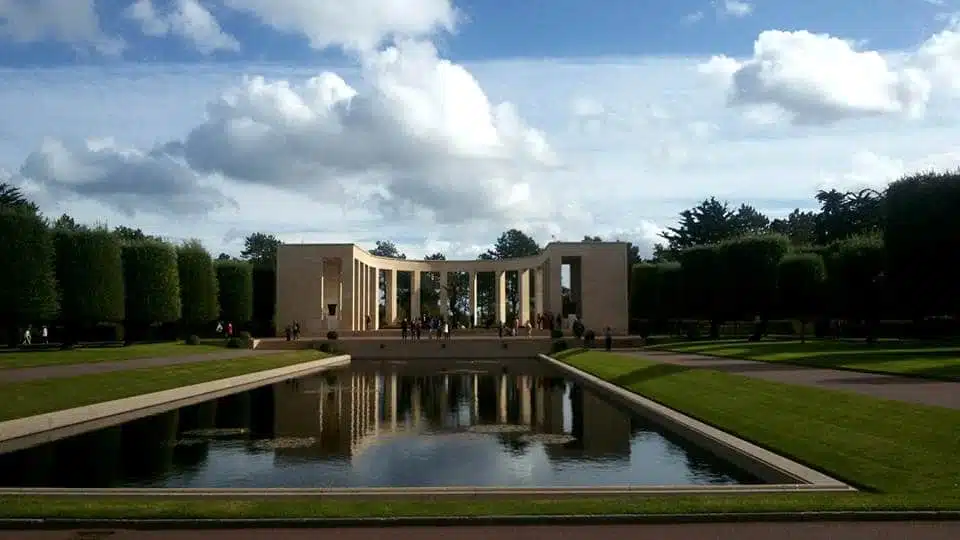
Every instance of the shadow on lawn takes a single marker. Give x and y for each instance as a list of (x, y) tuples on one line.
[(880, 379), (647, 374)]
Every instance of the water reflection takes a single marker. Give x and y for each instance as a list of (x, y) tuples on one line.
[(378, 425)]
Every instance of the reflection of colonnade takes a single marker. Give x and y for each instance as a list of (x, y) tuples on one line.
[(337, 286), (347, 412)]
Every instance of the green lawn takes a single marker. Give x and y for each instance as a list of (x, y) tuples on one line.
[(45, 395), (27, 359), (883, 446), (915, 359)]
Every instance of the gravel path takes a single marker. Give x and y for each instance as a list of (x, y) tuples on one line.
[(73, 370), (702, 531), (909, 389)]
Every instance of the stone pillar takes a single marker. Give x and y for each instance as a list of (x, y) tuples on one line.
[(391, 299), (364, 292), (472, 279), (374, 301), (415, 294), (357, 297), (538, 291), (340, 296), (323, 295), (523, 292), (347, 313), (555, 302), (444, 297), (500, 296)]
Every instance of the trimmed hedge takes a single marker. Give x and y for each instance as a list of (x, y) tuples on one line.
[(235, 279), (28, 288), (152, 283), (703, 271), (89, 269), (800, 283), (198, 285), (855, 273), (750, 264)]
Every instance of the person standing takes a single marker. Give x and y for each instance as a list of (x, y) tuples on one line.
[(608, 338), (403, 330), (43, 334)]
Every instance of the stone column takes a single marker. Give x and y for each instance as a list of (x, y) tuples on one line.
[(357, 297), (500, 296), (538, 291), (556, 298), (444, 297), (374, 301), (391, 312), (340, 296), (323, 295), (523, 292), (364, 290), (415, 294), (472, 279)]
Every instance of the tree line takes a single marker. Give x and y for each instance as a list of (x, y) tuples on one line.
[(90, 283), (864, 257)]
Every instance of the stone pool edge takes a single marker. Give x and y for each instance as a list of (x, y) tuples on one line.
[(767, 465), (30, 431)]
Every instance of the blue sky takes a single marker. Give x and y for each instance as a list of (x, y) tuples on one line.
[(559, 117), (534, 28)]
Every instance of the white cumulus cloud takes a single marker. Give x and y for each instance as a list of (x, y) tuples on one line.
[(187, 19), (74, 22)]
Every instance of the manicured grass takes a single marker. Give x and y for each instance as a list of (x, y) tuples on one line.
[(297, 507), (884, 446), (911, 358), (45, 395), (27, 359)]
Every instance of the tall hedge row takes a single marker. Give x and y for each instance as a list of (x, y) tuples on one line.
[(199, 300), (28, 288), (152, 283), (89, 270), (750, 275), (235, 281), (801, 281)]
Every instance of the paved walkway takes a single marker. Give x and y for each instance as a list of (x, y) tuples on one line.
[(702, 531), (72, 370), (909, 389)]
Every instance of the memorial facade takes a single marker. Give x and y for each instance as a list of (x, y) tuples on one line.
[(337, 286)]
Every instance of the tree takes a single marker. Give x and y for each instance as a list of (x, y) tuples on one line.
[(89, 270), (130, 235), (512, 244), (387, 249), (235, 284), (198, 286), (751, 264), (152, 284), (845, 214), (224, 257), (799, 227), (921, 239), (704, 270), (28, 290), (800, 284), (710, 222), (12, 197), (855, 273), (67, 223), (260, 249)]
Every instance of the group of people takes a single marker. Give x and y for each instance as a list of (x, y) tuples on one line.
[(292, 331), (28, 335), (438, 327), (225, 331)]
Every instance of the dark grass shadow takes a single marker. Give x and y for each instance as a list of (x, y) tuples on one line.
[(881, 379), (647, 374), (743, 367)]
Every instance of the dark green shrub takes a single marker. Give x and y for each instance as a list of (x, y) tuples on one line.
[(855, 276), (152, 285), (264, 299), (556, 333), (578, 329), (558, 345), (672, 292), (589, 338), (28, 288), (235, 343), (198, 285), (192, 339), (750, 275), (332, 334), (702, 271), (644, 291), (235, 281), (800, 286), (920, 237), (89, 269), (331, 348)]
